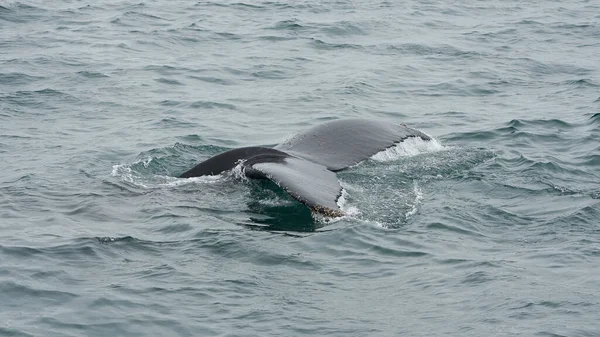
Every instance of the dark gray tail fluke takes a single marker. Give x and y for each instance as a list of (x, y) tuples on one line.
[(311, 184), (304, 165), (227, 160), (342, 143)]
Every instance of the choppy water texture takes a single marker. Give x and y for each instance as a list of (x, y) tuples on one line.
[(492, 231)]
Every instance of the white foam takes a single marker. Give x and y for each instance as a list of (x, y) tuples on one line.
[(415, 204), (409, 147), (173, 181), (342, 202), (125, 173), (374, 223), (147, 161), (276, 202), (238, 170)]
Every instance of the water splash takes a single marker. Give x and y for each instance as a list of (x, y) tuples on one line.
[(239, 171), (127, 173), (415, 204), (409, 147), (342, 202)]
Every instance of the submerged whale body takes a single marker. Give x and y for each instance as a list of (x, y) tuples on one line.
[(304, 166)]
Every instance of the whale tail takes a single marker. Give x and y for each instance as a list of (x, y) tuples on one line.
[(311, 184), (304, 166)]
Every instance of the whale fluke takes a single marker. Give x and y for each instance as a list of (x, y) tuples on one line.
[(227, 160), (342, 143), (304, 166), (311, 184)]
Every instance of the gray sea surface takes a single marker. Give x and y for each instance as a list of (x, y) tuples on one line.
[(492, 229)]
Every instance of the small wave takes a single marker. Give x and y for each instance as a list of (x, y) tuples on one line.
[(271, 74), (343, 28), (275, 38), (168, 81), (583, 82), (92, 74), (243, 5), (409, 147), (24, 292), (322, 45), (288, 25), (211, 105), (212, 80), (548, 123), (538, 69), (172, 122), (110, 239), (16, 78), (429, 50), (132, 19)]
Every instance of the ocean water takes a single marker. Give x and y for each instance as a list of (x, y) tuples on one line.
[(493, 229)]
